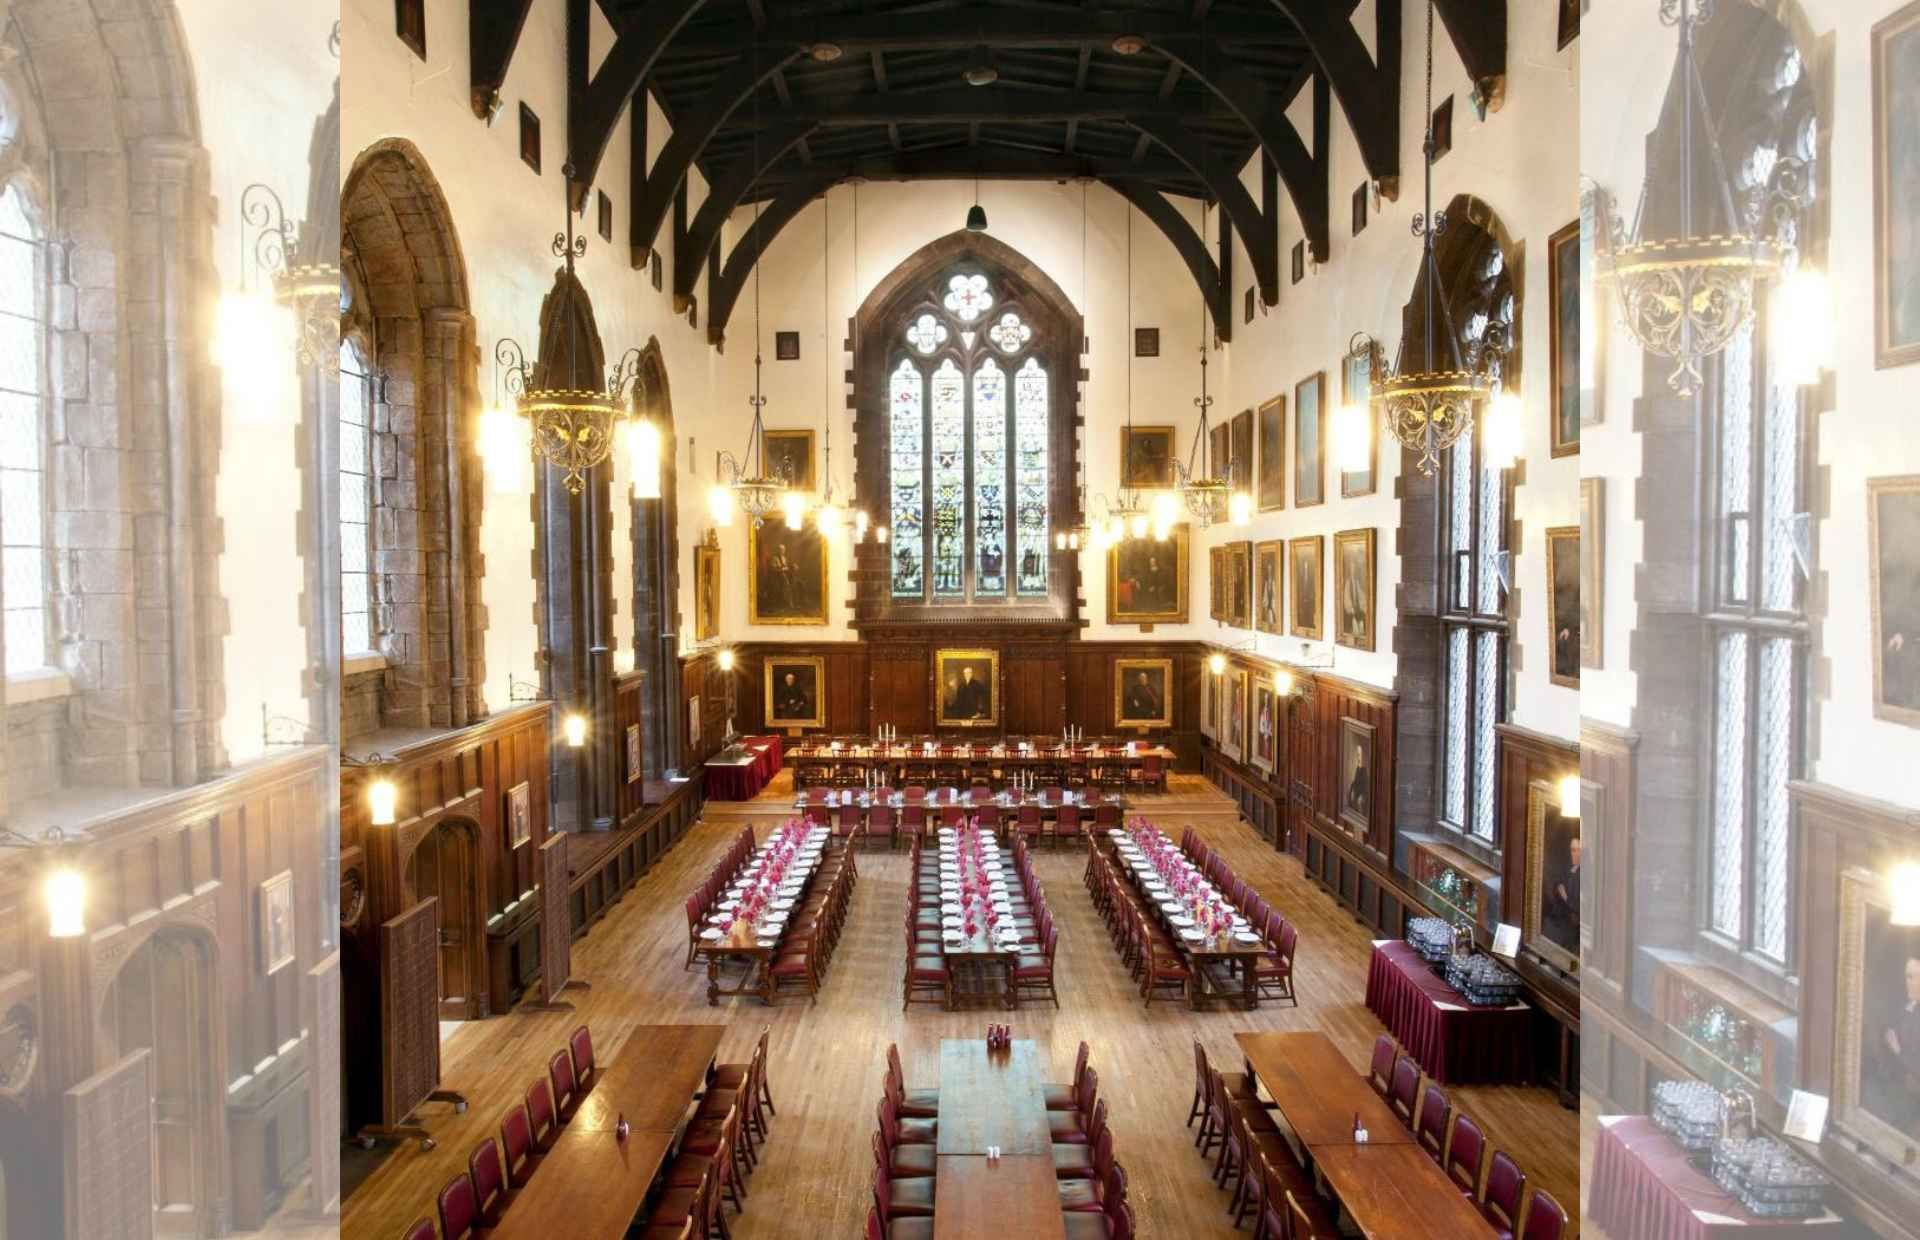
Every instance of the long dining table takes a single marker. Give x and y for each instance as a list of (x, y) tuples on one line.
[(591, 1177), (755, 943), (1231, 954), (994, 1099), (1387, 1185)]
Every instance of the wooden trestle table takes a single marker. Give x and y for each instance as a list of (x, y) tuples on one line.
[(994, 1098)]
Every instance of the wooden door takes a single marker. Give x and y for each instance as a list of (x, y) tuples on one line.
[(441, 870), (158, 1003)]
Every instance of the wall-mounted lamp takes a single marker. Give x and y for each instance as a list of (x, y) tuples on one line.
[(726, 660), (1217, 664), (575, 728), (1903, 892), (65, 892), (272, 247), (1284, 682), (383, 802), (1569, 796), (1504, 430)]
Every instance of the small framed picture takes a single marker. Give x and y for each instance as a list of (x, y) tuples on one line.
[(1246, 313), (519, 814), (1443, 127), (653, 270), (1356, 776), (1299, 261), (786, 346), (633, 753), (276, 922), (1360, 209), (606, 214), (1563, 605), (529, 137), (1146, 342)]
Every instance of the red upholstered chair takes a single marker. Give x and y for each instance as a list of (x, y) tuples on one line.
[(1106, 815), (1070, 1127), (1027, 823), (881, 823), (819, 815), (916, 792), (1033, 975), (953, 815), (1236, 1083), (904, 1162), (540, 1114), (902, 1198), (1066, 823), (1164, 971), (459, 1213), (1465, 1152), (912, 1103), (489, 1181), (902, 1229), (1380, 1071), (913, 821), (1299, 1223), (1066, 1097), (1402, 1095), (585, 1071), (422, 1229), (847, 823), (1089, 1195), (737, 1077), (516, 1145), (1506, 1185), (928, 979), (680, 1213), (1074, 1160), (1153, 772), (1431, 1131), (693, 928), (1273, 971), (1546, 1220), (566, 1091)]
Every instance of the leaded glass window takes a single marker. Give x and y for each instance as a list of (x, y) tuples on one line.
[(356, 502), (1474, 624), (970, 422), (23, 404)]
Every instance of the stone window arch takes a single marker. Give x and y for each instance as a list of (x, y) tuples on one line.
[(655, 529)]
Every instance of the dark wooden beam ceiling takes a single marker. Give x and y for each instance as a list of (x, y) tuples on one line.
[(1188, 243), (594, 103), (1479, 33), (493, 34), (1368, 88)]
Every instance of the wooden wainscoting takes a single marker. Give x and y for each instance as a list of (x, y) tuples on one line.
[(1606, 822), (1525, 757)]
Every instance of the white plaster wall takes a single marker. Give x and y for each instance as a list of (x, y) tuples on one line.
[(1041, 220), (505, 216), (1519, 161), (1868, 433), (256, 127)]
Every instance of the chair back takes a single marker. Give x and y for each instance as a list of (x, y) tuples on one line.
[(516, 1140), (1546, 1219), (1120, 1221), (1431, 1131), (819, 815), (489, 1180), (458, 1210), (1406, 1085), (916, 792), (1201, 1083), (1465, 1152), (1289, 939), (849, 816), (880, 820), (1086, 1090), (1299, 1226), (1380, 1071), (581, 1043), (560, 1068), (1150, 766), (875, 1231), (1506, 1184), (1067, 820), (540, 1110), (422, 1229), (1106, 815)]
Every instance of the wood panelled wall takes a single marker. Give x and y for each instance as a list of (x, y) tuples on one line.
[(1606, 822)]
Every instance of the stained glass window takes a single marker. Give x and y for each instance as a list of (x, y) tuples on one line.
[(356, 504), (1475, 649), (971, 418), (23, 553)]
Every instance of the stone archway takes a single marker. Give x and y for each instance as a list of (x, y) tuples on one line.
[(407, 297)]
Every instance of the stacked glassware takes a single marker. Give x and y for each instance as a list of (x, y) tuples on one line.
[(1432, 937), (1483, 981), (1769, 1179), (1691, 1111)]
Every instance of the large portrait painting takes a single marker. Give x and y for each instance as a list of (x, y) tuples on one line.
[(706, 593), (1353, 589), (1305, 572), (790, 458), (1271, 491), (1356, 391), (1220, 441), (1593, 567), (1269, 572), (1309, 452), (788, 584), (967, 684), (1550, 919), (1147, 580), (1210, 706), (1243, 451), (1876, 1070), (1146, 455), (795, 691), (1143, 693), (1563, 299), (1563, 605), (1893, 536), (1265, 725), (1240, 585), (1356, 775), (1896, 186), (1236, 742)]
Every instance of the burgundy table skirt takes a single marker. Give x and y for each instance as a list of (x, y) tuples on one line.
[(1454, 1042), (771, 756), (1643, 1188), (734, 783)]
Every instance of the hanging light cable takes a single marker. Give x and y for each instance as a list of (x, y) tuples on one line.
[(1073, 536), (1125, 515), (830, 517), (1203, 485)]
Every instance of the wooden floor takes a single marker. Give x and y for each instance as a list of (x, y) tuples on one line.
[(827, 1059)]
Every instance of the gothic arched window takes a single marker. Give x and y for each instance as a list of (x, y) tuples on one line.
[(969, 399), (23, 436)]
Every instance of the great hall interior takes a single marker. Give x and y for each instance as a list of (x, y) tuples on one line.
[(959, 618)]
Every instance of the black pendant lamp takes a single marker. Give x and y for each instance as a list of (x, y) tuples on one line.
[(977, 215)]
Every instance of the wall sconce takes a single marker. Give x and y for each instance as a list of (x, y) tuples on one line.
[(383, 802), (311, 290), (1284, 682), (65, 892), (1569, 796), (575, 728), (1504, 430), (726, 660), (1217, 664), (1903, 891)]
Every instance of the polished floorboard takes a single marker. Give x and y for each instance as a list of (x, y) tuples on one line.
[(827, 1058)]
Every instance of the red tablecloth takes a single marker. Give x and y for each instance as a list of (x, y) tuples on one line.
[(1643, 1188), (1454, 1042), (768, 747), (735, 782)]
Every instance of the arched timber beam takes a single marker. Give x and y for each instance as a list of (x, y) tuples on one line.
[(1260, 235), (1304, 172), (493, 34), (723, 293), (1188, 243), (690, 251), (654, 191), (1369, 92), (1479, 34), (594, 104)]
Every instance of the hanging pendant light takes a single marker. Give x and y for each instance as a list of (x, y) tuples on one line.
[(1125, 515), (1205, 490), (977, 215), (1687, 291)]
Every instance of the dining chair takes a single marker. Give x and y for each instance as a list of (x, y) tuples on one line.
[(1506, 1185), (585, 1070), (489, 1181), (680, 1213), (1033, 975), (900, 1131), (1028, 824), (1066, 823), (1164, 969), (1406, 1086), (1090, 1196), (539, 1099), (735, 1076), (422, 1229), (1299, 1223), (1065, 1097), (913, 821), (1431, 1131), (927, 976), (459, 1212), (904, 1162), (880, 824), (1074, 1160), (566, 1091), (848, 822), (516, 1145), (1070, 1127), (902, 1198), (1380, 1070), (1466, 1151), (913, 1103), (694, 909), (1546, 1219), (901, 1229), (1273, 971)]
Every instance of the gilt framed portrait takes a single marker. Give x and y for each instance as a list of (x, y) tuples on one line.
[(1593, 567), (1146, 453), (1216, 583), (275, 904), (1356, 389), (1309, 452), (1893, 574), (1356, 775), (1265, 724), (1236, 742), (1876, 1037), (788, 582), (1243, 450), (789, 456), (1550, 919), (967, 688), (1220, 444), (1354, 589), (1147, 580), (1143, 693), (1305, 571), (706, 593), (1210, 706), (795, 687), (1896, 186), (1563, 605), (519, 814), (1271, 492), (1269, 574), (1240, 585), (1563, 298)]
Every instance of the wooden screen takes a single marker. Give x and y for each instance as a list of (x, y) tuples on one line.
[(409, 1010), (323, 1109), (556, 923), (109, 1152)]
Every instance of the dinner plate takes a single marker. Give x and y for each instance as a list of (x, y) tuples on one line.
[(1181, 920), (782, 905), (726, 905), (1245, 936), (713, 933)]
